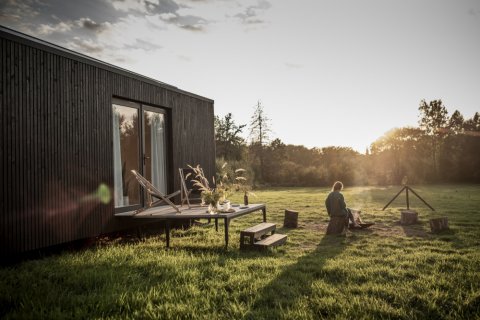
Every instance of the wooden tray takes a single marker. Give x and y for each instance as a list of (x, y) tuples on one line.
[(226, 211), (366, 225)]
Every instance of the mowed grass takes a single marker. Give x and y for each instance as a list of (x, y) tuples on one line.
[(388, 271)]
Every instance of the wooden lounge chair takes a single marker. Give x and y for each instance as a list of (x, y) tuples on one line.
[(151, 191), (189, 192)]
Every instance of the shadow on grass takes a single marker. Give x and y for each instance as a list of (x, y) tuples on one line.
[(414, 230), (361, 230), (422, 230), (223, 254), (295, 281)]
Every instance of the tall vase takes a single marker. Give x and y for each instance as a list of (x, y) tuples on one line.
[(245, 199), (212, 208)]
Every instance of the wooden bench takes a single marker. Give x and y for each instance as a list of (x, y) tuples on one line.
[(255, 233), (271, 241)]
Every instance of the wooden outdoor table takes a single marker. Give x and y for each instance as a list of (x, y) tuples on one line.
[(167, 214)]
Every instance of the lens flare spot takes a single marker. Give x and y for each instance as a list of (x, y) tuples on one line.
[(103, 193)]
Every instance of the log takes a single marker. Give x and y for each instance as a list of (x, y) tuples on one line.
[(408, 217), (439, 224), (291, 219), (337, 225)]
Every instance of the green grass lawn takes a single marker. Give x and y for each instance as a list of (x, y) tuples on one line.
[(388, 271)]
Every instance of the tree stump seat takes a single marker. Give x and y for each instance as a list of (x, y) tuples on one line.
[(337, 225), (408, 217), (439, 224), (291, 219)]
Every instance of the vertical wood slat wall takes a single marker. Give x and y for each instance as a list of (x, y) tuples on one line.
[(56, 143)]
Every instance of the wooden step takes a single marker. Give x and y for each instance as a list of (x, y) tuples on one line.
[(271, 241), (259, 230), (250, 235)]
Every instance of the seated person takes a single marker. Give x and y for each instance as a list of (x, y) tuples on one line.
[(336, 205)]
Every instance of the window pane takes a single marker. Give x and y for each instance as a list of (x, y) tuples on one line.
[(125, 155), (155, 150)]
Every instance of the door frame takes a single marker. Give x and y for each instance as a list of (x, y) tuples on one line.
[(141, 145)]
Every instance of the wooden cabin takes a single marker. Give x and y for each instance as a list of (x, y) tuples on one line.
[(71, 124)]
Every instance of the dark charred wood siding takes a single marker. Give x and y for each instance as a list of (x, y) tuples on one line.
[(56, 143)]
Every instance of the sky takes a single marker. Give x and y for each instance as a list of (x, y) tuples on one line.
[(328, 73)]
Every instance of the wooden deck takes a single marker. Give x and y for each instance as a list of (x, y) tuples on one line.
[(195, 212), (167, 213)]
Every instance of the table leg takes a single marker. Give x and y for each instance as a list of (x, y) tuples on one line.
[(226, 222), (264, 211), (167, 232), (216, 224)]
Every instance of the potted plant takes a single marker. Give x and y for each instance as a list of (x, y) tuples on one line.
[(210, 196), (233, 181)]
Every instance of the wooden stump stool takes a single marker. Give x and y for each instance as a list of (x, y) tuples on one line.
[(408, 217), (337, 225), (291, 219), (439, 224)]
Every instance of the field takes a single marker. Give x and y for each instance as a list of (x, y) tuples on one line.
[(388, 271)]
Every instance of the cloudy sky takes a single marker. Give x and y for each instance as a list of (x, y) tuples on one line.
[(327, 72)]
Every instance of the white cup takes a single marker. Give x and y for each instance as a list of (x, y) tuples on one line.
[(226, 206)]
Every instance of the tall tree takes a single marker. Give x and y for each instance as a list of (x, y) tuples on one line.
[(456, 123), (433, 120), (260, 135), (227, 137), (260, 126), (472, 124)]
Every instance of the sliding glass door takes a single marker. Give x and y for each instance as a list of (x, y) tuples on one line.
[(140, 144)]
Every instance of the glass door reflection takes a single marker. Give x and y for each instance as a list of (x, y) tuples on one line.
[(155, 159), (126, 148)]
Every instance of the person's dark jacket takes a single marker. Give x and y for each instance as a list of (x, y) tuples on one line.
[(336, 205)]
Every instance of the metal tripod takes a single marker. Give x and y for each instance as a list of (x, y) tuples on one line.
[(407, 188)]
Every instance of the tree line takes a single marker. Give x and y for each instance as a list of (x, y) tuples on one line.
[(443, 148)]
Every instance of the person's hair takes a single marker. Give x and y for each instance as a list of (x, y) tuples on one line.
[(337, 186)]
